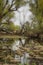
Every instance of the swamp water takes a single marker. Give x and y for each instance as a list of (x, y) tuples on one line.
[(12, 52)]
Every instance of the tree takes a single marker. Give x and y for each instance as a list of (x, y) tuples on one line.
[(7, 9), (37, 10)]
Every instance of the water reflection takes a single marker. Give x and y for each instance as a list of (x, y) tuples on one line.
[(16, 45), (15, 51)]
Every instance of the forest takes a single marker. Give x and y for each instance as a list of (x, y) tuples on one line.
[(21, 44)]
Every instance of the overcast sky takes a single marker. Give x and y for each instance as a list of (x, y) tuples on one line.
[(22, 15)]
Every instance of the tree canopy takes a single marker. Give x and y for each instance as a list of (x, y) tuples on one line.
[(7, 8), (37, 10)]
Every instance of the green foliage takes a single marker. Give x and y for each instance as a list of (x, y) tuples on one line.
[(7, 11), (37, 10), (33, 64), (17, 27), (19, 3), (11, 26)]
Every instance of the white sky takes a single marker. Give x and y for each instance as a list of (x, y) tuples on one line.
[(23, 15)]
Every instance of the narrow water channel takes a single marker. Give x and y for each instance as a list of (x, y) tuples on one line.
[(12, 52)]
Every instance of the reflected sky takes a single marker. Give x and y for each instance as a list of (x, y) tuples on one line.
[(17, 44)]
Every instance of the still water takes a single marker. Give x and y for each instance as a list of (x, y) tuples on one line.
[(12, 51)]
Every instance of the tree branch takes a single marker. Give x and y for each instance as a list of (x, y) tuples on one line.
[(5, 4), (9, 10)]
